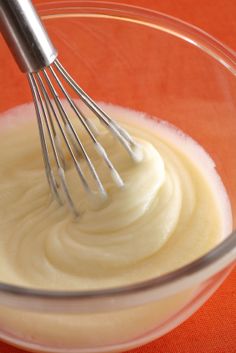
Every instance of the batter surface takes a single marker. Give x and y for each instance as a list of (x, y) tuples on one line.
[(173, 208)]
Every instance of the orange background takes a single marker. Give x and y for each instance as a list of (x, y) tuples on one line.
[(213, 328)]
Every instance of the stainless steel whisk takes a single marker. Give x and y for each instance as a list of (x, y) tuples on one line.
[(37, 57)]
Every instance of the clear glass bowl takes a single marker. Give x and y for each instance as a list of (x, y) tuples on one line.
[(154, 63)]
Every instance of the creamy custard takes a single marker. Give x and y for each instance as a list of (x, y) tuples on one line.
[(173, 208)]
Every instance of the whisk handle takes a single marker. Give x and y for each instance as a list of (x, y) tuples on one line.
[(25, 35)]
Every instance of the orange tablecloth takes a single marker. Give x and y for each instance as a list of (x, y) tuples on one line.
[(213, 328)]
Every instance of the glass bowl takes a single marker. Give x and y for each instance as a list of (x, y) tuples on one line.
[(150, 62)]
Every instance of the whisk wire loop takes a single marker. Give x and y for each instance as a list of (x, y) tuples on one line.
[(54, 123)]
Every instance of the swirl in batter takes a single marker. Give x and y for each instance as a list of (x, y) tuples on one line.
[(172, 209)]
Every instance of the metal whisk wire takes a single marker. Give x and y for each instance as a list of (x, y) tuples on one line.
[(47, 114)]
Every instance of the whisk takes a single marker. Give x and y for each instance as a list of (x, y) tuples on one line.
[(36, 56)]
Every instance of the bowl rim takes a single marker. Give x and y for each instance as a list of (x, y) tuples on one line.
[(217, 259)]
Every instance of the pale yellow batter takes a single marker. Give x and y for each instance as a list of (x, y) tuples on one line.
[(172, 209)]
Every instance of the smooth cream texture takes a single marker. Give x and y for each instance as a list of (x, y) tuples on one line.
[(172, 209)]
